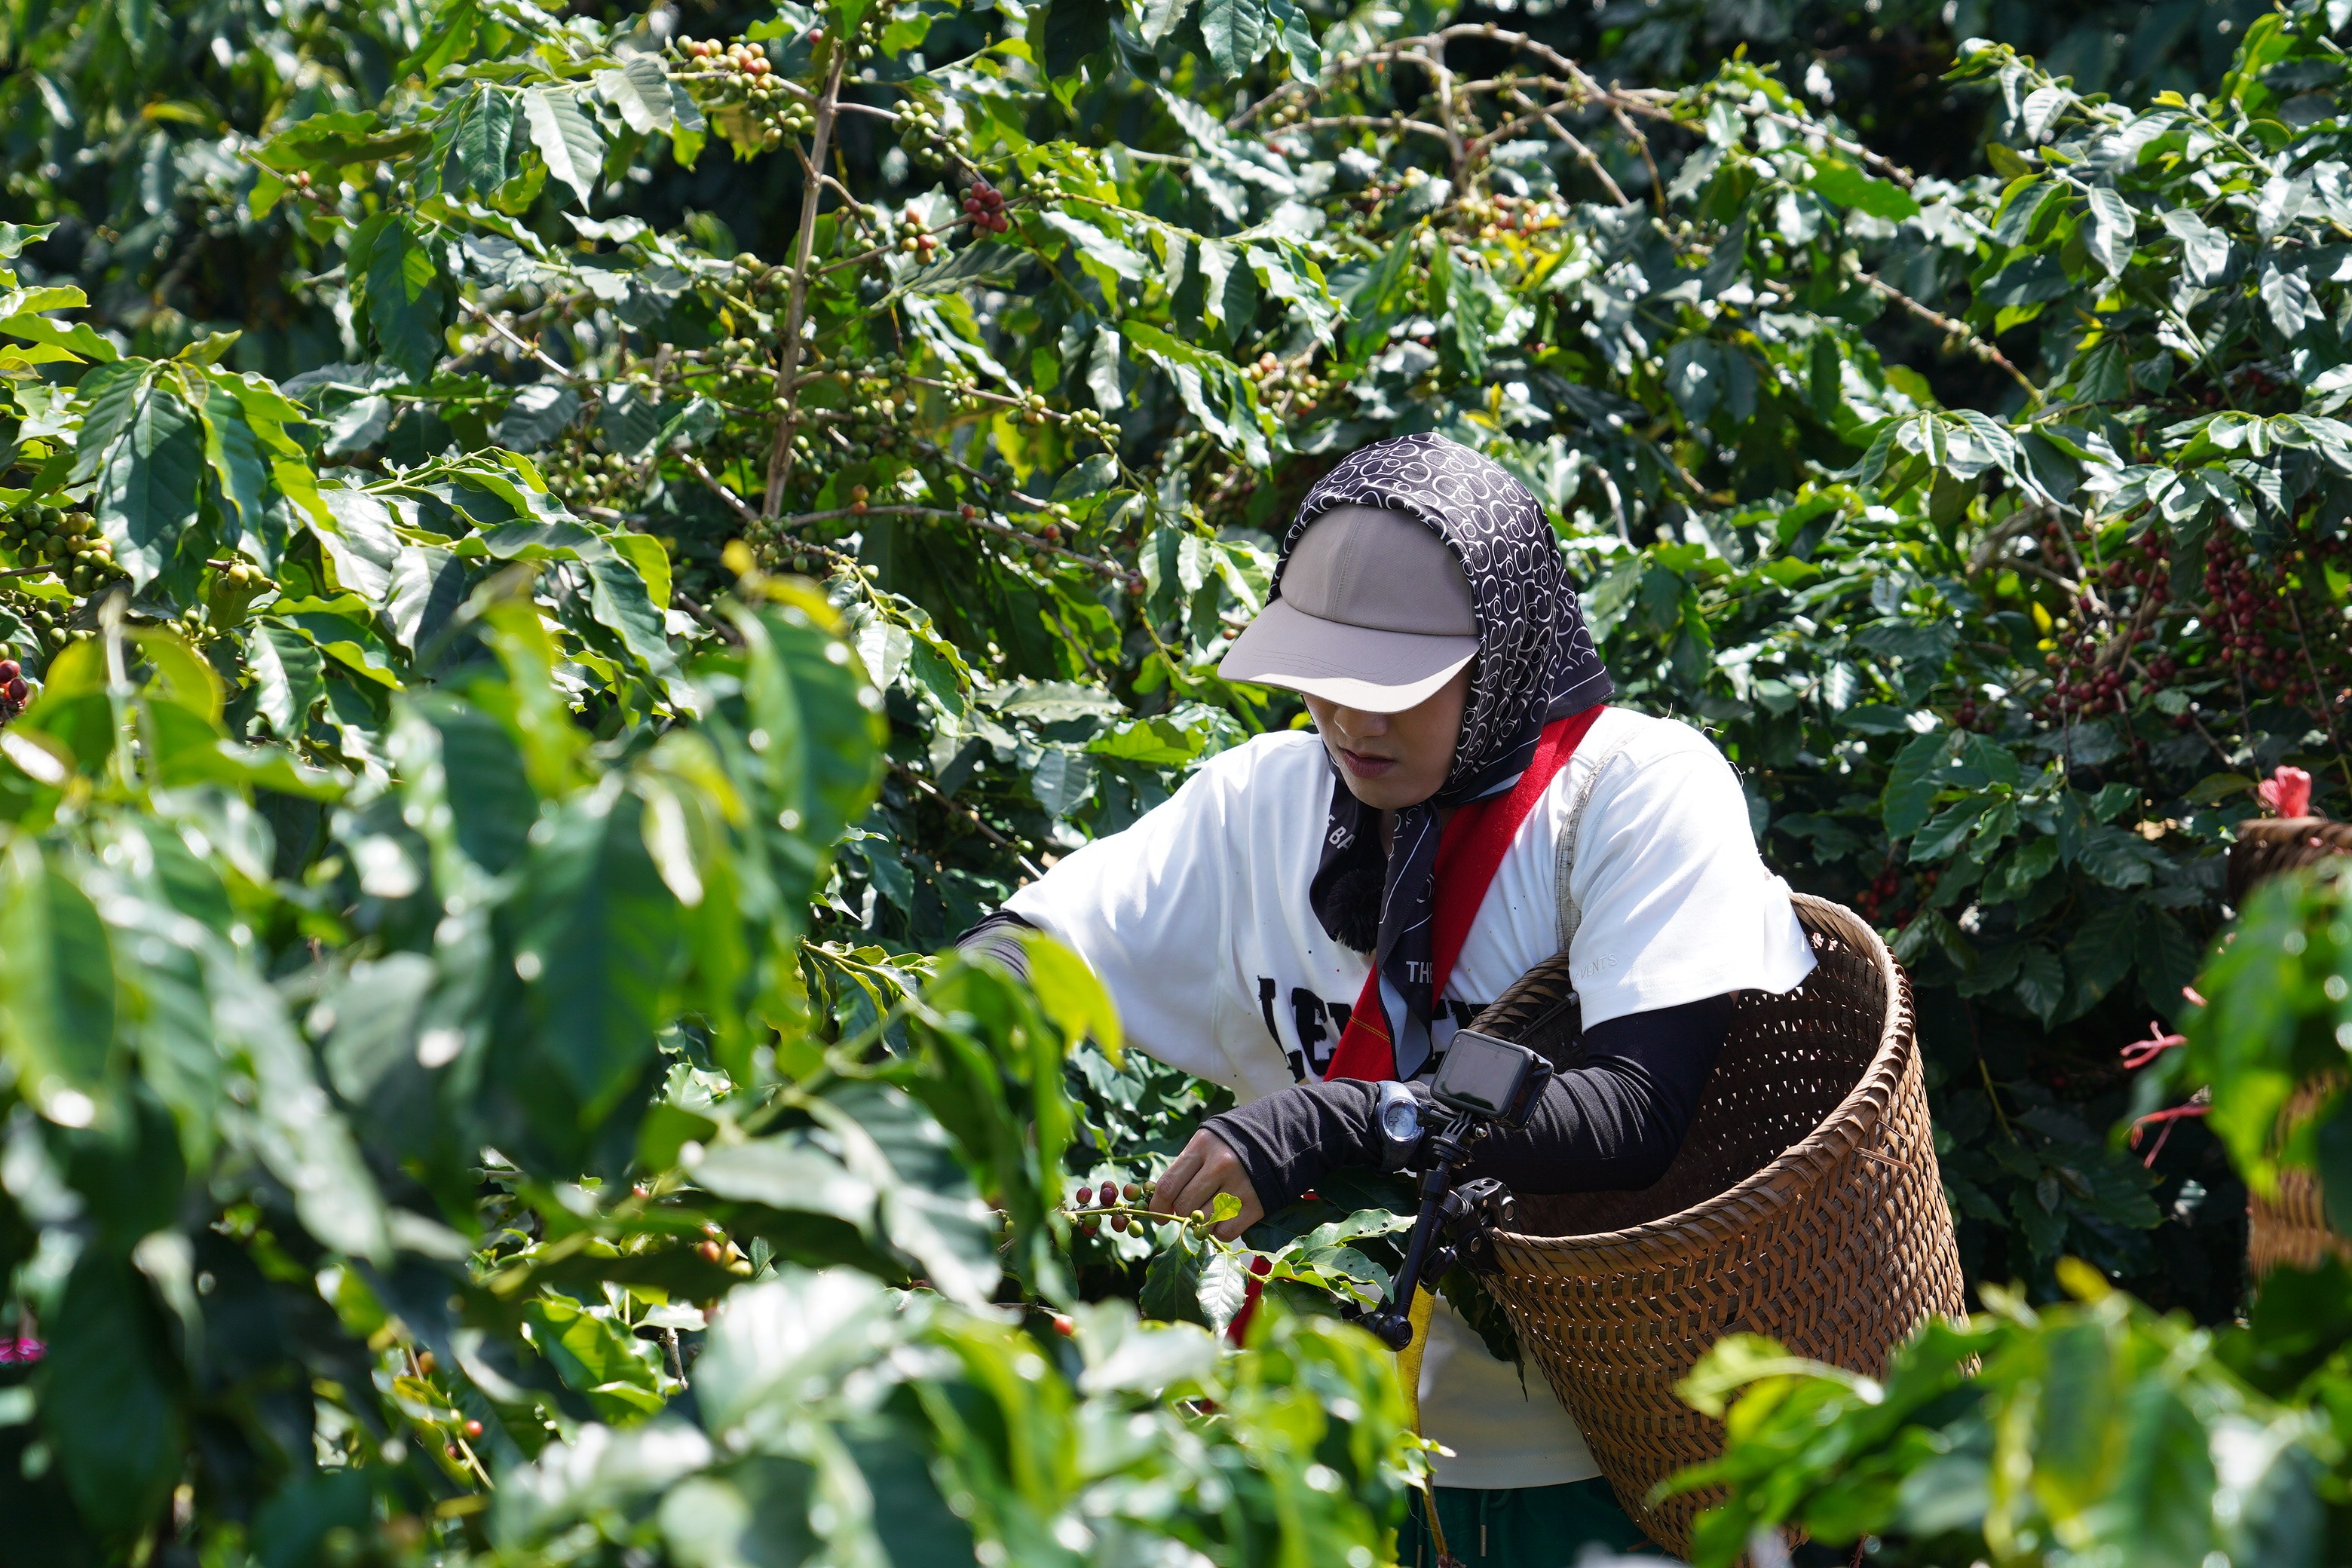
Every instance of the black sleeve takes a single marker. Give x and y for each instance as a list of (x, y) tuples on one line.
[(998, 937), (1610, 1125)]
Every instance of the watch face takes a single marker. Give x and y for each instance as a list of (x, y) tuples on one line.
[(1401, 1120)]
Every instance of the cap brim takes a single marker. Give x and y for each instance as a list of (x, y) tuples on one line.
[(1356, 667)]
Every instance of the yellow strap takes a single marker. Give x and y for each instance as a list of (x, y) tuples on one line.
[(1425, 1302)]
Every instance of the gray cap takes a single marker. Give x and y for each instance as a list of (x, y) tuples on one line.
[(1375, 614)]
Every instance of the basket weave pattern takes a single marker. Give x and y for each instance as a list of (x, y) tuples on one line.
[(1805, 1203), (2290, 1227)]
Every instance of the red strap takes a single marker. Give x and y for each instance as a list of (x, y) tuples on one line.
[(1469, 852)]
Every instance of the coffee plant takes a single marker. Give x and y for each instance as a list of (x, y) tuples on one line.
[(551, 558), (2099, 1428)]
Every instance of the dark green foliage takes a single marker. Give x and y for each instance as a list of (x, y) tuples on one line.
[(534, 619)]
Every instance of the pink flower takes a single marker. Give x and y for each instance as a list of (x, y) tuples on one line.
[(2286, 791), (21, 1352), (2139, 1052)]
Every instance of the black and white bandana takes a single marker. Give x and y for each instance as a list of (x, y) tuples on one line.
[(1535, 663)]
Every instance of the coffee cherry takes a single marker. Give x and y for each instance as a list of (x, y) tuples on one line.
[(1261, 1266), (1119, 1222), (1131, 1192), (473, 1429), (1063, 1324), (425, 1363), (711, 1251)]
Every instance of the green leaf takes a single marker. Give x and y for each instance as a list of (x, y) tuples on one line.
[(929, 1209), (799, 1329), (640, 91), (484, 142), (15, 237), (1298, 41), (1171, 1284), (1911, 785), (299, 1135), (56, 994), (404, 297), (2288, 299), (2041, 982), (1071, 995), (1224, 1285), (1124, 1355), (289, 677), (619, 1372), (631, 421), (357, 537), (1212, 388), (482, 787), (2204, 250), (646, 554), (814, 725), (1162, 18), (618, 599), (1062, 780), (1238, 32), (599, 948), (107, 1396), (1076, 29), (76, 338), (2113, 229), (2118, 856), (566, 139), (1950, 829), (427, 586), (2100, 954), (348, 643), (536, 414), (1850, 187), (787, 1172), (1094, 247), (151, 479)]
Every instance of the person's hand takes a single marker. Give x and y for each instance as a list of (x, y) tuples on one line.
[(1208, 1166)]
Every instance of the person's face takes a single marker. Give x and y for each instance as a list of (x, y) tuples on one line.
[(1391, 761)]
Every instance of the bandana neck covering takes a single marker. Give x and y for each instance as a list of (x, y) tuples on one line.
[(1535, 663)]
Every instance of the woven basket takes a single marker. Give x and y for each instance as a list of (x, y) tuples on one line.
[(1805, 1203), (2290, 1227)]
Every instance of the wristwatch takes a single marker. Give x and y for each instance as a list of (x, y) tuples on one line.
[(1398, 1116)]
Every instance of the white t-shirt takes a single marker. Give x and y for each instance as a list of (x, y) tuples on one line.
[(1196, 920)]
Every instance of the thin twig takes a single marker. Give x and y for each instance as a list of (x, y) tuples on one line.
[(1375, 122), (988, 525), (967, 813), (487, 318), (1585, 156), (1959, 332), (1658, 186), (1855, 150), (2319, 691), (694, 465), (779, 456)]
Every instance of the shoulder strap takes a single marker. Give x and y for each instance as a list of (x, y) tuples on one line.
[(1469, 850), (1571, 917), (1468, 858)]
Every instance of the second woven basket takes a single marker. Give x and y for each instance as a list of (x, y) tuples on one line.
[(2289, 1228), (1805, 1203)]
